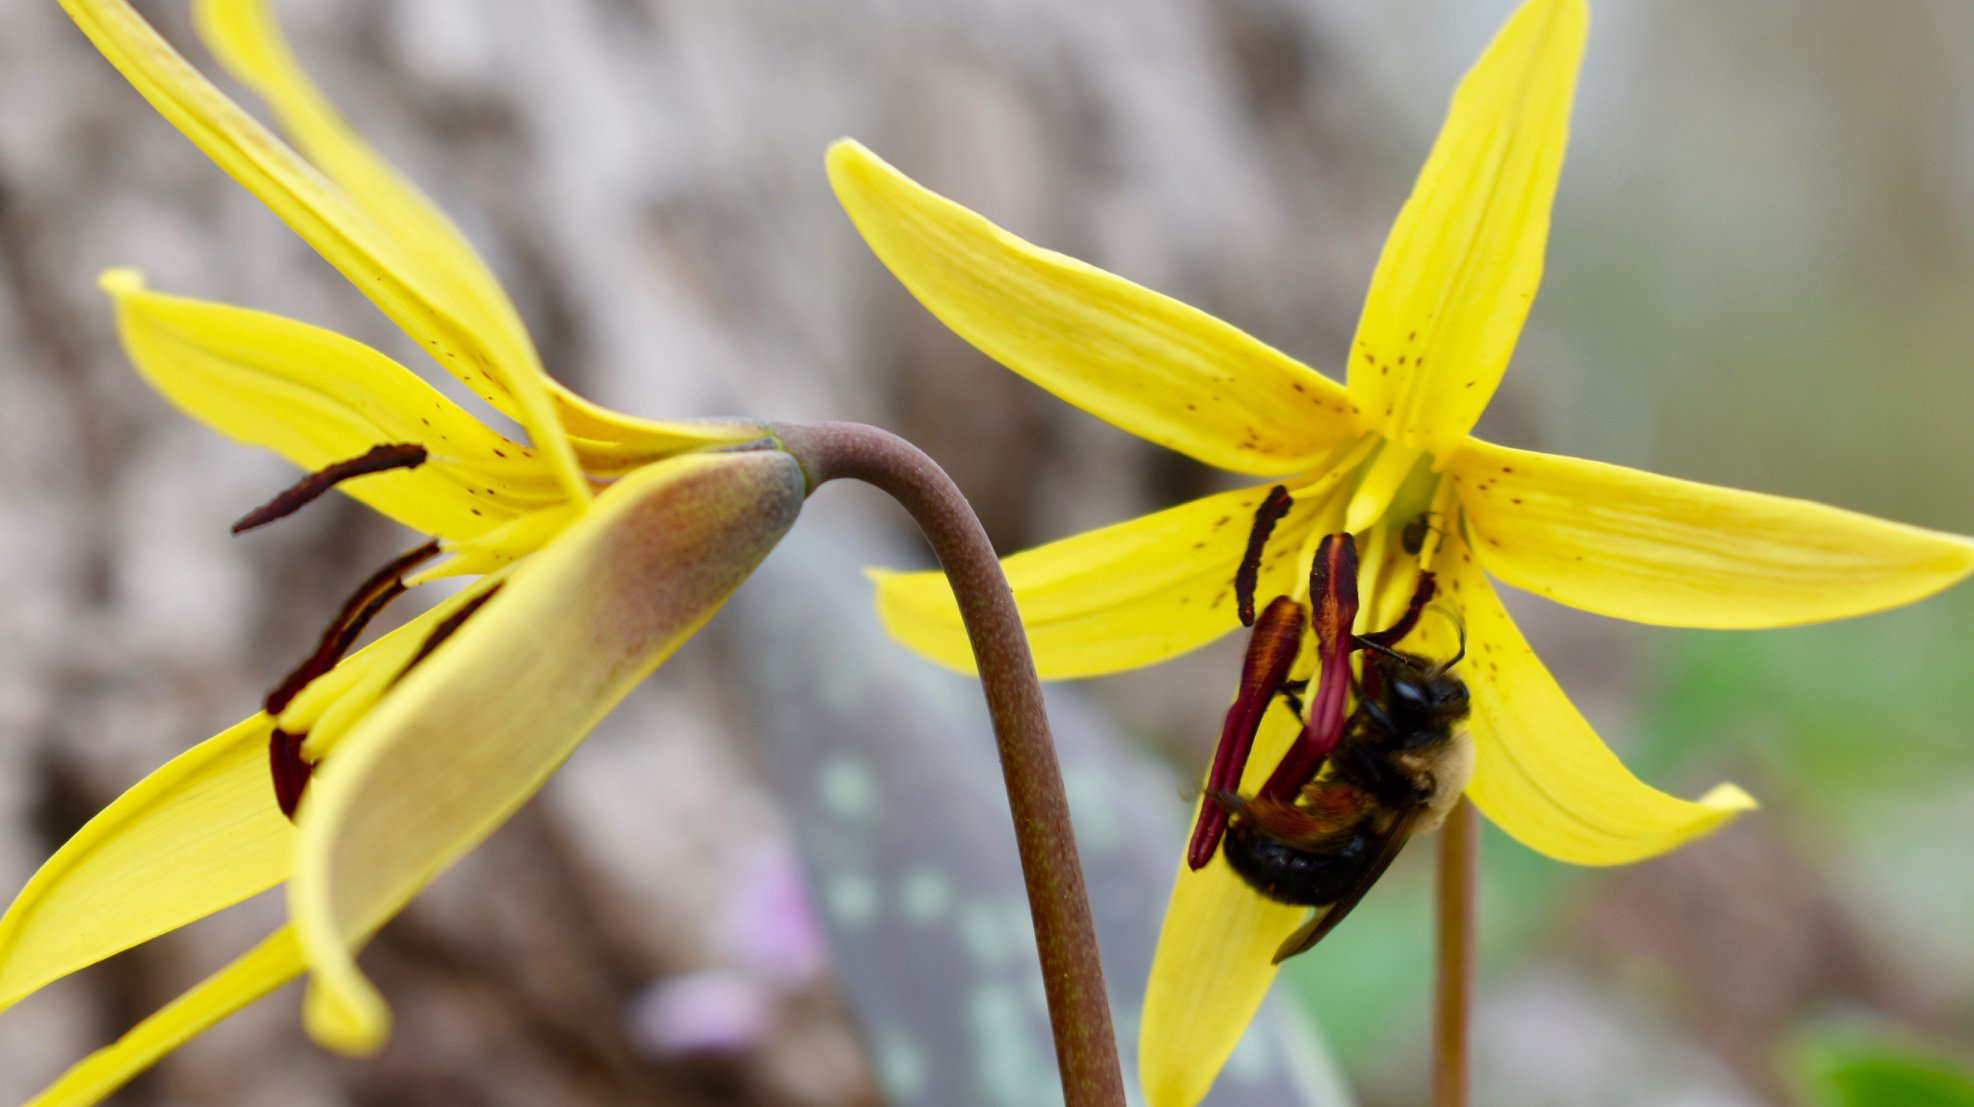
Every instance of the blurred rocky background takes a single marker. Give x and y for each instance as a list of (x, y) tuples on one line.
[(1759, 276)]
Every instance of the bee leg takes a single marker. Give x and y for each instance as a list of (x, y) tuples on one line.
[(1291, 693), (1229, 802)]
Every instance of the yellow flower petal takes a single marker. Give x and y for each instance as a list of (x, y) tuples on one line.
[(335, 702), (1162, 370), (1215, 958), (197, 835), (1465, 256), (473, 730), (315, 397), (245, 38), (1381, 481), (627, 442), (1671, 552), (457, 329), (272, 963), (1540, 772), (502, 545), (1122, 596), (243, 35)]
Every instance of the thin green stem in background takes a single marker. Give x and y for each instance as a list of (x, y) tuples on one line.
[(1453, 992)]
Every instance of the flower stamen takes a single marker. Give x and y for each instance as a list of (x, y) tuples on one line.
[(1333, 592), (1266, 515), (446, 627), (291, 770), (378, 459), (1422, 594), (1270, 653), (371, 596)]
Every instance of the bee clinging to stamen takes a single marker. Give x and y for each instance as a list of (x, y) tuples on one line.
[(1354, 786), (1398, 769)]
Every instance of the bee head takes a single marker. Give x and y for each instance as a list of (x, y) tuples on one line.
[(1419, 697)]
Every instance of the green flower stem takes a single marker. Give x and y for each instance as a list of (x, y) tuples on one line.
[(1453, 996), (1079, 1012)]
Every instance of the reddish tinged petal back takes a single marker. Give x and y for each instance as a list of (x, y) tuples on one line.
[(474, 728)]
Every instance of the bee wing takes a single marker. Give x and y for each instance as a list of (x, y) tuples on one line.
[(1311, 932)]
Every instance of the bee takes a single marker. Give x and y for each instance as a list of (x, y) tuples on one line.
[(1398, 768)]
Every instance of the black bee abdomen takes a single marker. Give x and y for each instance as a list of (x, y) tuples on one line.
[(1297, 877)]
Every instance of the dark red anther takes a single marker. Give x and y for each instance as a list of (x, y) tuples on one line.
[(291, 769), (447, 626), (1270, 653), (1333, 591), (1388, 638), (378, 459), (1272, 508), (371, 596)]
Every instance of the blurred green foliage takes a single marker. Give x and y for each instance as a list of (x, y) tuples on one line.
[(1849, 1069)]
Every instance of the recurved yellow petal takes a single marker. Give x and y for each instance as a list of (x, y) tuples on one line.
[(473, 730), (1454, 284), (1164, 371), (246, 38), (267, 966), (1672, 552), (1540, 772), (1122, 596), (1215, 958), (315, 397), (197, 835), (455, 328)]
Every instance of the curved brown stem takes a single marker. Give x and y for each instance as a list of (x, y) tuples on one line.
[(1079, 1010), (1453, 994)]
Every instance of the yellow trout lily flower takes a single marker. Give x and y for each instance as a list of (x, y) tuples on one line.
[(595, 548), (1388, 459)]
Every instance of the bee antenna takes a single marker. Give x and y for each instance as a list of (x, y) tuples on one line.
[(1458, 626), (1364, 642)]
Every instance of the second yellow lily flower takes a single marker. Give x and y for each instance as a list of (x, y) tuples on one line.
[(1391, 450), (594, 549)]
